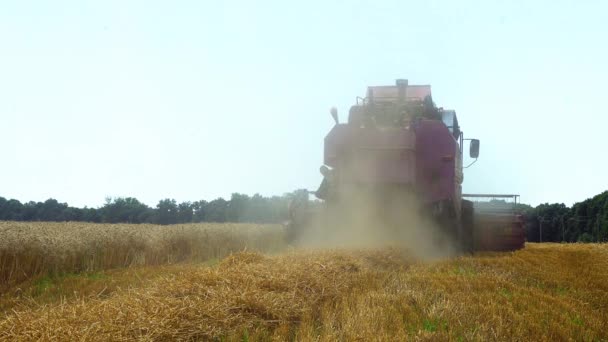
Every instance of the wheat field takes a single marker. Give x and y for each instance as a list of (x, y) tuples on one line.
[(544, 292), (30, 249)]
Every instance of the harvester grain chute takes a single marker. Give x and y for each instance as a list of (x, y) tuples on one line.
[(397, 144)]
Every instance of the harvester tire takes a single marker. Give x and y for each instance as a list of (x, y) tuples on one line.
[(467, 227)]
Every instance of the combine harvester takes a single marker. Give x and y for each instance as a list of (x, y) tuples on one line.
[(395, 144)]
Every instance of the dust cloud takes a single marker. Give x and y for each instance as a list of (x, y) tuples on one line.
[(364, 220)]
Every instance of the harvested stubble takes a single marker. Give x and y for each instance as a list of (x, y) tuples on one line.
[(41, 248), (245, 292), (554, 292)]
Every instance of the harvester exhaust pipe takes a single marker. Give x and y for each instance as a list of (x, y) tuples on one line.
[(334, 114)]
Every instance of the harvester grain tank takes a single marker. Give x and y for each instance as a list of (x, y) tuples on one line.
[(397, 142)]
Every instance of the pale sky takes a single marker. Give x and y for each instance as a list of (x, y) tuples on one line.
[(195, 100)]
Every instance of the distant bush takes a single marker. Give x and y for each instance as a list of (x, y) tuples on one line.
[(585, 237)]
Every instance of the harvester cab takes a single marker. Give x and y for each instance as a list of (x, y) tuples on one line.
[(396, 143)]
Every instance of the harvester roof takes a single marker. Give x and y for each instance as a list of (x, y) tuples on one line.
[(399, 91)]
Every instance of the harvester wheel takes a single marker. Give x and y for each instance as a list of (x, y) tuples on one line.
[(467, 227)]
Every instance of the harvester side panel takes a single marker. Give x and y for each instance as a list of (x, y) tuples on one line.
[(436, 154)]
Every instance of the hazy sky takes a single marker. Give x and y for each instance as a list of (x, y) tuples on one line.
[(194, 100)]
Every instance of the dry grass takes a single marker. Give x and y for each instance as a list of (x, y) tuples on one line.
[(35, 249), (544, 292)]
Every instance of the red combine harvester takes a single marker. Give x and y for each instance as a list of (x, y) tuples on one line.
[(396, 142)]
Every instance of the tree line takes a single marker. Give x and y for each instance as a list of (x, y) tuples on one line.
[(585, 221), (239, 208)]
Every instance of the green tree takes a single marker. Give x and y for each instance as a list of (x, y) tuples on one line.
[(198, 211), (185, 212), (237, 206), (128, 210), (166, 211), (215, 211)]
